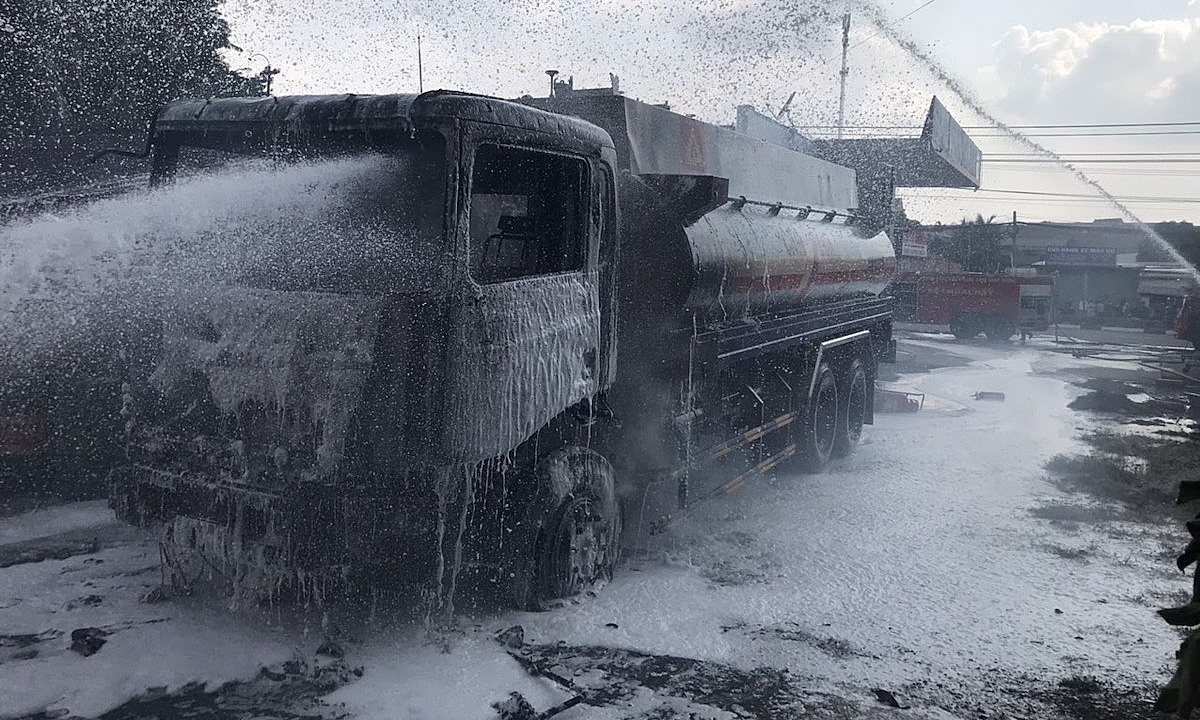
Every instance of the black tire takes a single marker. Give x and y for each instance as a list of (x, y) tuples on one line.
[(817, 431), (999, 330), (853, 412), (574, 524), (963, 327)]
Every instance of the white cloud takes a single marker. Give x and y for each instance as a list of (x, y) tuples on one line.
[(1145, 70)]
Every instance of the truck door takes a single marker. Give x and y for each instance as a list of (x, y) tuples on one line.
[(528, 333)]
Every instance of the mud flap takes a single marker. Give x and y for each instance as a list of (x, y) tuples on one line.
[(889, 353)]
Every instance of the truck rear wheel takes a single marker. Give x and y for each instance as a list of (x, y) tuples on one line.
[(853, 413), (575, 522), (817, 433)]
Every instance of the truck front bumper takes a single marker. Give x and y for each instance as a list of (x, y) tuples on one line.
[(318, 531)]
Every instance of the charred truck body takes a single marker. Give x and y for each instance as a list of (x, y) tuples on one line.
[(544, 342)]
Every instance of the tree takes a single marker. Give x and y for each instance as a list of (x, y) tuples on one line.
[(901, 225), (75, 66), (1183, 236), (976, 245)]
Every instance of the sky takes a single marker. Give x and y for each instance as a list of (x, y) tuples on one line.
[(1023, 62)]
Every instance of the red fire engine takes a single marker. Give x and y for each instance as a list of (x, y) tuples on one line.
[(972, 303)]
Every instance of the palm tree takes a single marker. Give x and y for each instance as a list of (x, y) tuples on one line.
[(976, 245)]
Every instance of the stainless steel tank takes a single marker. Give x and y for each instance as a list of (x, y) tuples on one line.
[(733, 264), (748, 262)]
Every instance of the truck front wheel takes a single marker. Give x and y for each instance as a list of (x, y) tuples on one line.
[(854, 409), (817, 432), (575, 522)]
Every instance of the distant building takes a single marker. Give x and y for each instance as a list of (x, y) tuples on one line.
[(1095, 265), (1098, 243), (913, 255)]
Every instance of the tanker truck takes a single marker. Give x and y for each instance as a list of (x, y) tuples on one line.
[(569, 326)]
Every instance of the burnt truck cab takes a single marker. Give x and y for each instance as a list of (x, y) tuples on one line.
[(334, 412)]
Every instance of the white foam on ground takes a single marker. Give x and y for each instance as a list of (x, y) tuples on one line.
[(162, 645), (919, 556), (920, 553), (408, 680)]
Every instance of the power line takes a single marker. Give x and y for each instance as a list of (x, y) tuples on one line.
[(1086, 161), (1164, 153), (1133, 172), (1085, 125), (1097, 134), (1040, 193), (901, 19), (1013, 127), (1057, 200), (865, 135)]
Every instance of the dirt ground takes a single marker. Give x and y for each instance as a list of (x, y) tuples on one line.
[(1148, 443)]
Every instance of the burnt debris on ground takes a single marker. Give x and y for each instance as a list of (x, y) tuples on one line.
[(615, 676), (1140, 469), (600, 677), (292, 691), (1142, 473), (834, 647), (1131, 399), (1070, 698), (87, 541)]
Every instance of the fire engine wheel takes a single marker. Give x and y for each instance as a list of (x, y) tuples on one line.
[(963, 328), (817, 433), (999, 329), (854, 409), (578, 540)]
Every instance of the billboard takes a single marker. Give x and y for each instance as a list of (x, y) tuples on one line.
[(915, 245), (757, 125), (943, 156), (1081, 256), (664, 143), (951, 142), (1170, 282)]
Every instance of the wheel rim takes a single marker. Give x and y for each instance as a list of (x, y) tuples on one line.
[(580, 548), (825, 420)]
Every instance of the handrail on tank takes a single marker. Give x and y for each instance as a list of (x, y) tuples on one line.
[(138, 154), (802, 213)]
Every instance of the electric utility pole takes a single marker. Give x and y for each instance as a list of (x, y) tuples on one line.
[(845, 71)]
